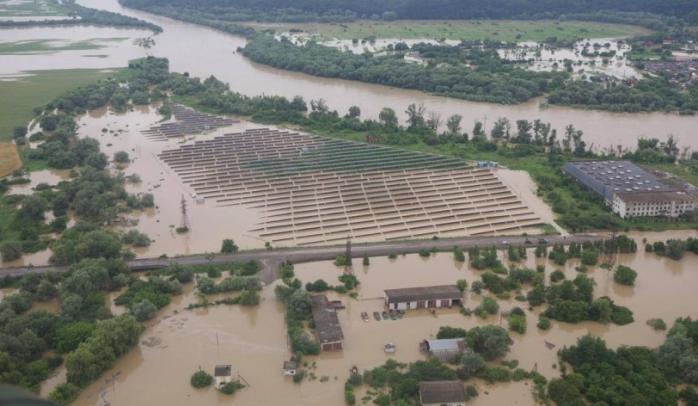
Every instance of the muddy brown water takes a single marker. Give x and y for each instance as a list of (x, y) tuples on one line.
[(112, 54), (253, 340), (181, 43)]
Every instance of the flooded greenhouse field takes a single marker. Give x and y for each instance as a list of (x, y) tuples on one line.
[(254, 341)]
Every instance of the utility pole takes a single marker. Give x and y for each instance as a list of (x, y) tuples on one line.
[(184, 223), (347, 254)]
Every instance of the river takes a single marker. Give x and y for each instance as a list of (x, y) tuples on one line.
[(202, 52)]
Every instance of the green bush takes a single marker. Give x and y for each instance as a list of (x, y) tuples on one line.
[(624, 275), (543, 323), (231, 387), (201, 379)]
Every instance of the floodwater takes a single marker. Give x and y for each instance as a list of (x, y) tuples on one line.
[(542, 58), (209, 224), (50, 177), (253, 339), (181, 43), (111, 53)]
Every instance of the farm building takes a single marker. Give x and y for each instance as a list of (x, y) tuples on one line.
[(223, 374), (427, 297), (327, 328), (442, 393), (444, 349)]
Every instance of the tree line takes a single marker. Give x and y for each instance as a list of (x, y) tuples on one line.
[(79, 15), (338, 10)]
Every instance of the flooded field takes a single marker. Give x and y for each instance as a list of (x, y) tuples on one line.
[(209, 223), (181, 43), (589, 57), (253, 339), (102, 47)]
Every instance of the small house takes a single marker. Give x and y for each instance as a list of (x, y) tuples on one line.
[(445, 349), (442, 393), (327, 328), (223, 374), (427, 297), (290, 368)]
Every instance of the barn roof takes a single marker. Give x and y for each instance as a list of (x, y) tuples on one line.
[(423, 293), (442, 392)]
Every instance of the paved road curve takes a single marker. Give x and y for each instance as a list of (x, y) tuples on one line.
[(271, 259)]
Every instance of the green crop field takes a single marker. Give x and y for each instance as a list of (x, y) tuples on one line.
[(30, 8), (49, 45), (22, 95), (503, 30)]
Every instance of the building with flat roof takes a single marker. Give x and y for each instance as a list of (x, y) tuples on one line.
[(449, 393), (426, 297), (631, 191), (607, 178), (327, 328)]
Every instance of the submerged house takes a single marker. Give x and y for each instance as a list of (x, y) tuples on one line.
[(223, 374), (442, 393), (327, 329), (444, 349), (290, 368), (427, 297)]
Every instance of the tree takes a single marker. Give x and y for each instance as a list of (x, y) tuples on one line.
[(10, 250), (19, 132), (434, 120), (446, 332), (415, 116), (354, 112), (388, 118), (33, 208), (69, 336), (501, 128), (201, 379), (228, 247), (64, 394), (487, 307), (491, 342), (121, 157), (453, 124), (624, 275), (231, 387), (471, 364), (144, 310)]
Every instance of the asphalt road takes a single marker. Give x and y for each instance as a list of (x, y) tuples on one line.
[(270, 259)]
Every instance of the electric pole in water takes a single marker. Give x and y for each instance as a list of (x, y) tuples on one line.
[(185, 221)]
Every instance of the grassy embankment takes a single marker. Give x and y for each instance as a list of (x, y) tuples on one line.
[(49, 45), (505, 30), (32, 8), (32, 91)]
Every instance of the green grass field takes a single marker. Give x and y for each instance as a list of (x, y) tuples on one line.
[(505, 30), (49, 45), (22, 95), (31, 8)]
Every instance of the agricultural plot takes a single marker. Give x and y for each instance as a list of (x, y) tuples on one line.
[(187, 121), (316, 190)]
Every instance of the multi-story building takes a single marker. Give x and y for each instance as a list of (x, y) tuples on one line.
[(631, 191)]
